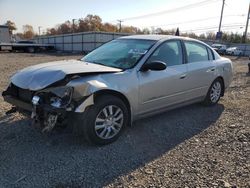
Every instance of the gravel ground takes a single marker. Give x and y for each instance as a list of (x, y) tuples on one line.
[(194, 146)]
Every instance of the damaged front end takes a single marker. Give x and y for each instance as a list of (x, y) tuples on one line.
[(48, 107), (52, 92)]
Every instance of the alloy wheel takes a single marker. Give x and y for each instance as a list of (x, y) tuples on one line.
[(109, 122), (215, 92)]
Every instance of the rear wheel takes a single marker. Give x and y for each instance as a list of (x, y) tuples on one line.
[(214, 93), (103, 122)]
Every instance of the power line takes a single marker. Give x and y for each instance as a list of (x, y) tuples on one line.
[(230, 26), (211, 29), (190, 6), (171, 10), (192, 21), (224, 26), (231, 8)]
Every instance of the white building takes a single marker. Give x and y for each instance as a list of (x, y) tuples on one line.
[(4, 34)]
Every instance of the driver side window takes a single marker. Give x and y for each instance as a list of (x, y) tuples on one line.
[(169, 52)]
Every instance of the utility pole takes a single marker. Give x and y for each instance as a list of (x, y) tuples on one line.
[(221, 15), (245, 34), (120, 25), (73, 25), (153, 30), (219, 33), (39, 29)]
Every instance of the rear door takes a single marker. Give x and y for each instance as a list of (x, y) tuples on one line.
[(201, 68)]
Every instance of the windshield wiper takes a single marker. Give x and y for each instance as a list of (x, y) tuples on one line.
[(94, 62), (105, 65)]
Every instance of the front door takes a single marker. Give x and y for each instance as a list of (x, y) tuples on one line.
[(159, 89)]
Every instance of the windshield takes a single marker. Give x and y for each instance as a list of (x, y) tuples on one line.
[(120, 53)]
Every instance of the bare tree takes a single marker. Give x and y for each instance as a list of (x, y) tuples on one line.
[(28, 31), (11, 25)]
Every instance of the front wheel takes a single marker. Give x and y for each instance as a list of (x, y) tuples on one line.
[(104, 121), (214, 93)]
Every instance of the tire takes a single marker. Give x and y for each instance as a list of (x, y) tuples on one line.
[(30, 49), (91, 122), (214, 93)]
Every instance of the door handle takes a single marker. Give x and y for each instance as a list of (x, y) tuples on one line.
[(183, 76), (211, 70)]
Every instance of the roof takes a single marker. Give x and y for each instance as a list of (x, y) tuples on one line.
[(161, 37), (151, 37)]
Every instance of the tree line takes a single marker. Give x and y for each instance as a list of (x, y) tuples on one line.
[(95, 23)]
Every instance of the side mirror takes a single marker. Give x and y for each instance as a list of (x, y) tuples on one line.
[(154, 65)]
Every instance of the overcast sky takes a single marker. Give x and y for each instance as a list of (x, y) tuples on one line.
[(48, 13)]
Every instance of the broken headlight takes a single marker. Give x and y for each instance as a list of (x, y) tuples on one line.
[(35, 100), (61, 97)]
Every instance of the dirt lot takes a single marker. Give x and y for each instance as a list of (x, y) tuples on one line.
[(195, 146)]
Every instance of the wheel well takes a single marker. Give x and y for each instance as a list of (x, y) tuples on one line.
[(117, 94), (223, 84)]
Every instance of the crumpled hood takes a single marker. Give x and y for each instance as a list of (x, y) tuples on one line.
[(42, 75)]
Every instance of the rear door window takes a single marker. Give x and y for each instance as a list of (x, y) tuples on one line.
[(196, 52)]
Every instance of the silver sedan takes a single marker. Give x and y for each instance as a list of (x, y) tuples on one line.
[(124, 80)]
